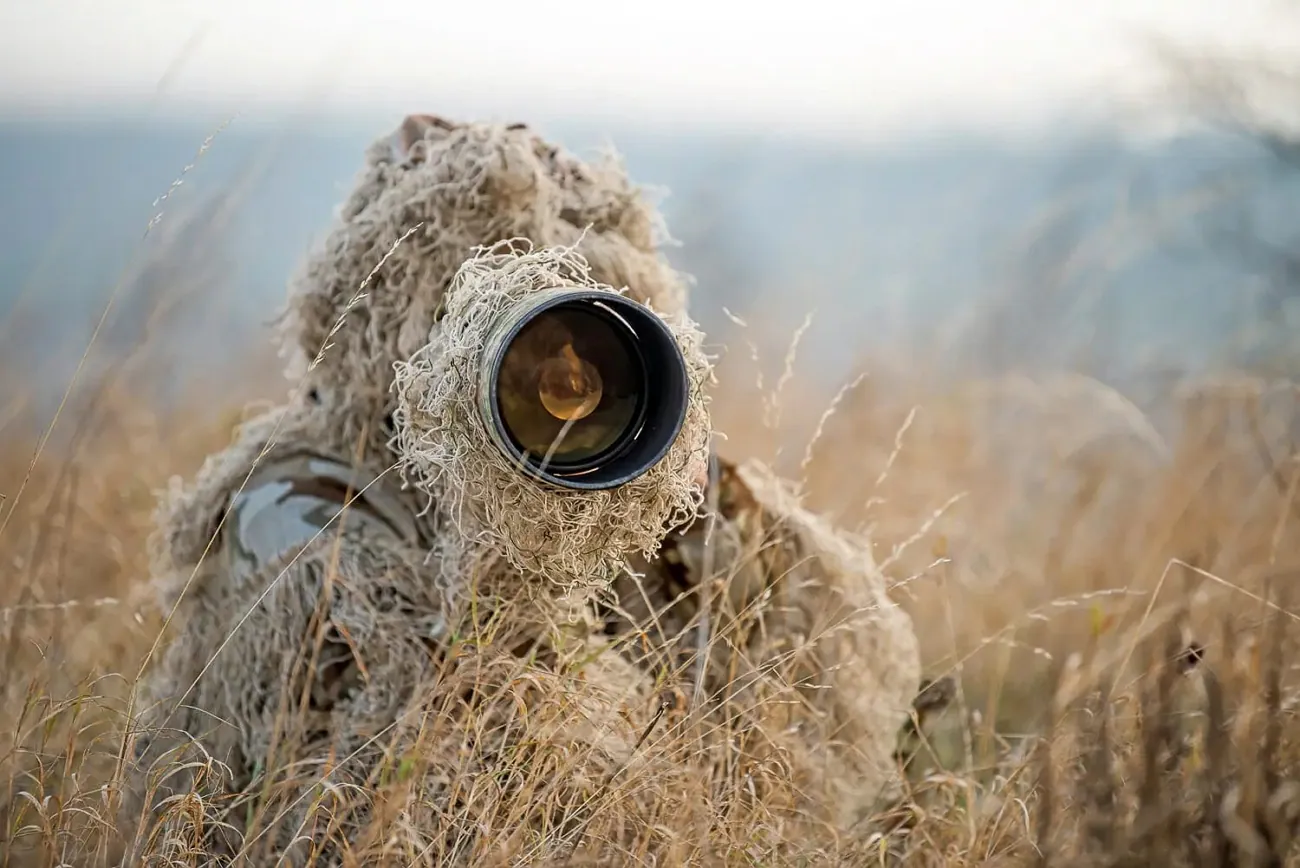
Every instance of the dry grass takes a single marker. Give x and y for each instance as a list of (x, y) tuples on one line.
[(1103, 602), (1140, 627)]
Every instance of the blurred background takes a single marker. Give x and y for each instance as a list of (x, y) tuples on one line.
[(1006, 233), (1003, 182)]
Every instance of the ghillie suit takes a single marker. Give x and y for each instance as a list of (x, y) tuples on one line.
[(402, 682)]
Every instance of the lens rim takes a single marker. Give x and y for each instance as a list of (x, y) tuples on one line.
[(652, 347)]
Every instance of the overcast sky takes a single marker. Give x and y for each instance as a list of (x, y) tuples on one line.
[(847, 64)]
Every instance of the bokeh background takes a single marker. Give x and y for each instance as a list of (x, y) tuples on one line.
[(915, 175)]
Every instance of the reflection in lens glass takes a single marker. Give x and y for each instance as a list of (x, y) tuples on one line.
[(569, 387), (569, 367)]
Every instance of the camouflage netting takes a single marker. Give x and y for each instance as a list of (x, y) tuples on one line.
[(568, 537), (453, 188), (364, 699)]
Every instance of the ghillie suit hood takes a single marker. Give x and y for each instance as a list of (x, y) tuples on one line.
[(426, 199)]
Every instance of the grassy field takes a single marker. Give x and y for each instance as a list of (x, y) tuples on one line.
[(1102, 594)]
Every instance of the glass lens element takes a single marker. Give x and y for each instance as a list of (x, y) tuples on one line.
[(571, 381)]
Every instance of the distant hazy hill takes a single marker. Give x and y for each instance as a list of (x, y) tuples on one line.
[(888, 243)]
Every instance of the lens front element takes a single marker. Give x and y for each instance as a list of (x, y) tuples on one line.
[(571, 386), (582, 388)]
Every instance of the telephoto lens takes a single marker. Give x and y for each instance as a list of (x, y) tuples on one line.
[(584, 389)]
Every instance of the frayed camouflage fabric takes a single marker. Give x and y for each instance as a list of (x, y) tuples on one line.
[(329, 689)]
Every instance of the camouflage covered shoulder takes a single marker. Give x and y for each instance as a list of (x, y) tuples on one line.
[(273, 488)]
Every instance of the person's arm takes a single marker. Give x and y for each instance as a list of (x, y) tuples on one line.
[(803, 637), (313, 605)]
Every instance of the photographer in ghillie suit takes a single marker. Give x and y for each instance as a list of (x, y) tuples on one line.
[(464, 665)]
